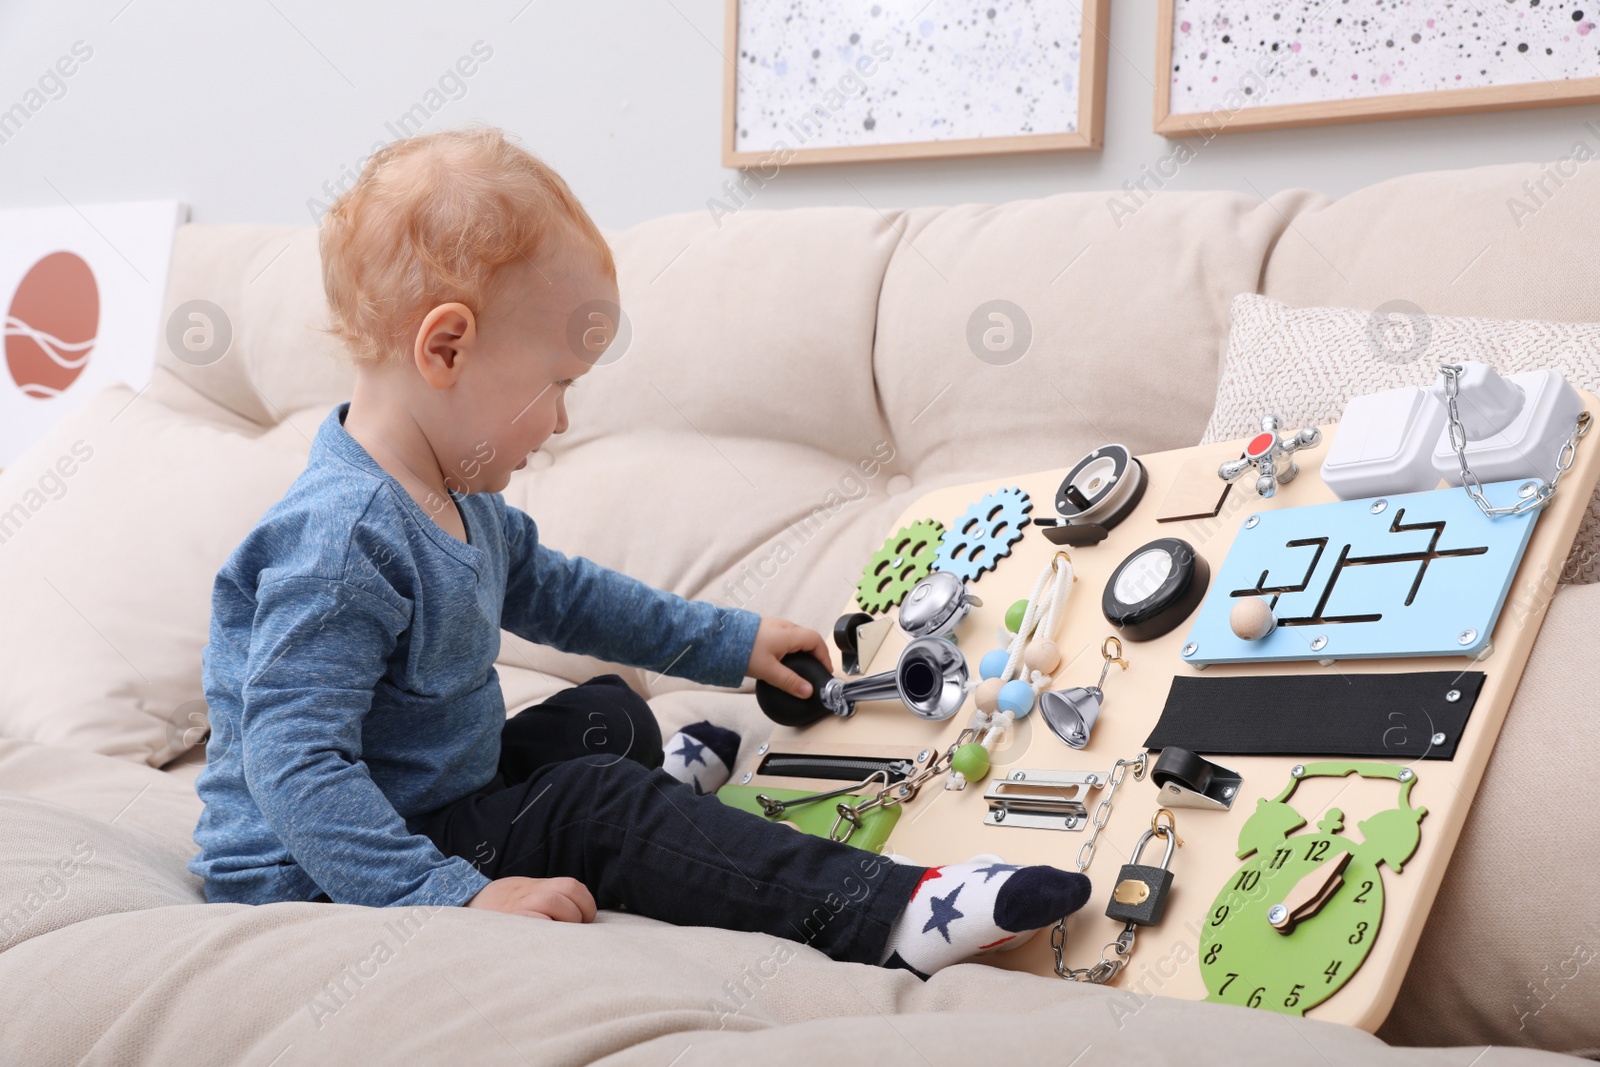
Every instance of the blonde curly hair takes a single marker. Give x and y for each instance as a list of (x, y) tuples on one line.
[(430, 220)]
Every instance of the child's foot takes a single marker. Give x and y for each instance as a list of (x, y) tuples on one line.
[(702, 756), (966, 909)]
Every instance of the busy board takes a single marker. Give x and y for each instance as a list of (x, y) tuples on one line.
[(1286, 857)]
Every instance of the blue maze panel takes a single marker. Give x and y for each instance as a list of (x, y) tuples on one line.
[(1424, 576)]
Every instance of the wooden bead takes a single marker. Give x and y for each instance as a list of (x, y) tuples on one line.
[(1042, 656), (987, 696), (1251, 619)]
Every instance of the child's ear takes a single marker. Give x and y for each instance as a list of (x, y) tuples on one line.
[(444, 335)]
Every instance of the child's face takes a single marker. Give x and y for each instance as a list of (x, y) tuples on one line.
[(527, 357)]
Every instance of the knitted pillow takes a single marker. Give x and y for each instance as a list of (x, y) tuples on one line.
[(1305, 364)]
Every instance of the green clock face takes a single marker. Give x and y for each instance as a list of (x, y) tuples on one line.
[(1296, 921), (1247, 960)]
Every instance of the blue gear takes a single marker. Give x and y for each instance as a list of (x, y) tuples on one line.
[(984, 534)]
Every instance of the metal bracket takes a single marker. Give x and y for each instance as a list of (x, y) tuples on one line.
[(1042, 800), (1190, 781)]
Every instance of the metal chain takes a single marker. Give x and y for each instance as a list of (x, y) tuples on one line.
[(896, 793), (1458, 440), (1102, 814), (1114, 956)]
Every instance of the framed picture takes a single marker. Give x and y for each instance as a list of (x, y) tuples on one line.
[(1276, 63), (83, 290), (830, 81)]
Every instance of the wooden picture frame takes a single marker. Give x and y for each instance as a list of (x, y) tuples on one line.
[(1087, 136), (1503, 97)]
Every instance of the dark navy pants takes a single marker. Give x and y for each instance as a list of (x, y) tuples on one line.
[(579, 793)]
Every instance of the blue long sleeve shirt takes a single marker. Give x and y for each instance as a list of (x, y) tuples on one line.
[(351, 685)]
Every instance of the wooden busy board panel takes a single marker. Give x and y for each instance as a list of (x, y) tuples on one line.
[(943, 826)]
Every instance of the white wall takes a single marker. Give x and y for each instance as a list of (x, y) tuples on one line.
[(244, 109)]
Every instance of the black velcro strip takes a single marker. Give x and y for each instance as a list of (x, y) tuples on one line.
[(1390, 716)]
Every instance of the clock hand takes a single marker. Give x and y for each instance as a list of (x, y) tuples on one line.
[(1314, 889)]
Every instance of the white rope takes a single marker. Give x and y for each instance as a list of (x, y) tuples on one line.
[(1051, 606)]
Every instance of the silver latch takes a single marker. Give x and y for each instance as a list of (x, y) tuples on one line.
[(1042, 800)]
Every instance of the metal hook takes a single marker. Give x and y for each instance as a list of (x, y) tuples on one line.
[(1105, 650), (1060, 554), (1170, 827)]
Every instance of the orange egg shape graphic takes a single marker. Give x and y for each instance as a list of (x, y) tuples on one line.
[(51, 325)]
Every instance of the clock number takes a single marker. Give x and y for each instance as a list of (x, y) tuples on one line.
[(1360, 935), (1211, 953), (1225, 985), (1333, 970), (1279, 856), (1366, 887), (1219, 916), (1317, 850), (1294, 997), (1255, 998), (1247, 881)]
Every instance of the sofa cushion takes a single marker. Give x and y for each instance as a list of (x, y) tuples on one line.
[(1500, 241), (334, 983), (59, 867), (268, 282), (114, 525), (1509, 953), (1125, 311), (1304, 364)]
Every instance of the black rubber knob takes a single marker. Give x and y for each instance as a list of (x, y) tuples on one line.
[(786, 709)]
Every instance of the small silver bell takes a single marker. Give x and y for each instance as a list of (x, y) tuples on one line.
[(1072, 713)]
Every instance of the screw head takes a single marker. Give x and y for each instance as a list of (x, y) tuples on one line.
[(762, 751), (1319, 642), (1378, 506), (922, 757), (1276, 914), (746, 779), (1190, 649), (1019, 776), (1000, 816), (1527, 489), (1467, 636), (1228, 792), (1250, 523), (1452, 696), (1298, 770), (1438, 738), (1406, 774)]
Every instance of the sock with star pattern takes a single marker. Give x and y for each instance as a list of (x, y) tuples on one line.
[(702, 755), (967, 909)]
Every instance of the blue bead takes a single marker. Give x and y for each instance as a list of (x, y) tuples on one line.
[(993, 664), (1016, 696)]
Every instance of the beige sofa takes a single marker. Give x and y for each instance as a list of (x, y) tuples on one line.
[(734, 451)]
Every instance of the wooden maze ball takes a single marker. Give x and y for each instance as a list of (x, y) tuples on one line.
[(1251, 619)]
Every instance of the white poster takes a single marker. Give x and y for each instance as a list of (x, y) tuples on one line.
[(83, 289)]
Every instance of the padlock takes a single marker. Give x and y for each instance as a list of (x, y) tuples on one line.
[(1141, 892)]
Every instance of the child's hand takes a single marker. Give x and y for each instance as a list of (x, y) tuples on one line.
[(562, 899), (775, 639)]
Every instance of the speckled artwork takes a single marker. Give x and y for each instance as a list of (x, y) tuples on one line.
[(1274, 52), (828, 73)]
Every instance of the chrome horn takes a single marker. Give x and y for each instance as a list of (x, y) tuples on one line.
[(930, 678)]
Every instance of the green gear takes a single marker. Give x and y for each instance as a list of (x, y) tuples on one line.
[(903, 561)]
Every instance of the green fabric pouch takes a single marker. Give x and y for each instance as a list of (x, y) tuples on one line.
[(871, 834)]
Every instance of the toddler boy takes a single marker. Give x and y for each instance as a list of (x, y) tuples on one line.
[(361, 752)]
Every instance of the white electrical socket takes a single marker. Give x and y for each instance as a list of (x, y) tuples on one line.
[(1515, 424)]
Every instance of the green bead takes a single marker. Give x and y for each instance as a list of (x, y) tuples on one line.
[(1014, 615), (972, 760)]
